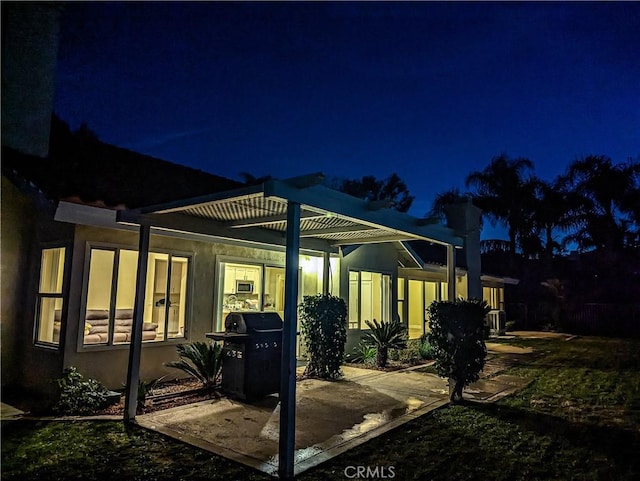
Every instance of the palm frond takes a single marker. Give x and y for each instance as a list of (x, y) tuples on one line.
[(201, 360)]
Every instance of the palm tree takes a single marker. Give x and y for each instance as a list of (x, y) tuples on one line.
[(384, 336), (503, 192), (451, 196), (606, 193), (556, 208)]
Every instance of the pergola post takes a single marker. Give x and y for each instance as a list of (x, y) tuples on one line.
[(451, 272), (288, 373), (135, 347), (326, 273)]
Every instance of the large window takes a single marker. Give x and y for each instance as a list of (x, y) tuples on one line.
[(420, 295), (49, 299), (255, 286), (494, 296), (111, 294), (369, 298)]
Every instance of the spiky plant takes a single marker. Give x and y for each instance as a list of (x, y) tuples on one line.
[(384, 336), (362, 353), (201, 360)]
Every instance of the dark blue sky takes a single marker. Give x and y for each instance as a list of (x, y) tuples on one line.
[(431, 91)]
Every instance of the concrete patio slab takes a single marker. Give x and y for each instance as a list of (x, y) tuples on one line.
[(9, 413), (331, 417)]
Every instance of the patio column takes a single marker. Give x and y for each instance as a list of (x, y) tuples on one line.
[(451, 272), (286, 439), (326, 272), (135, 347)]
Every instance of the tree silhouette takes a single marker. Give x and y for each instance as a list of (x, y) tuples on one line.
[(370, 188), (607, 209), (451, 196), (504, 194), (250, 179)]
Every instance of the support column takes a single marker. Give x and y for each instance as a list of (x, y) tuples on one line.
[(286, 439), (135, 347), (451, 272), (326, 273)]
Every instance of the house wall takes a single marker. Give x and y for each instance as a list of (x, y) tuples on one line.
[(17, 238), (27, 227), (109, 364), (370, 257)]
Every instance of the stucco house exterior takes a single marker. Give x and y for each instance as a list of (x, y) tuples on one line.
[(78, 213)]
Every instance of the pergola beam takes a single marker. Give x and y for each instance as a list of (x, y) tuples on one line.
[(198, 225), (336, 230), (269, 220)]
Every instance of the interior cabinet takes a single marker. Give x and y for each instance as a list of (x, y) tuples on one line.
[(233, 274), (229, 281)]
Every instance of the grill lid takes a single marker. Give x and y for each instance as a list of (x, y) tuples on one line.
[(246, 322)]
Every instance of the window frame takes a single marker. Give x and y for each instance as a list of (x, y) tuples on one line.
[(64, 295), (440, 291), (116, 248), (389, 302)]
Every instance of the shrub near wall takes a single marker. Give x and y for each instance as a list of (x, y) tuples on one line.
[(457, 339), (324, 329)]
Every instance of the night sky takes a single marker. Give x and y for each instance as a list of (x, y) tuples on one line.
[(431, 91)]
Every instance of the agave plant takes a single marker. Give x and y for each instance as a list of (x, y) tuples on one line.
[(384, 336), (201, 360)]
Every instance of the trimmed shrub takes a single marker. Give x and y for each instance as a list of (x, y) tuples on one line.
[(457, 337), (79, 395), (323, 321)]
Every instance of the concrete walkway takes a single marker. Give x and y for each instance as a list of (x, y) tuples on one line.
[(9, 413), (331, 417)]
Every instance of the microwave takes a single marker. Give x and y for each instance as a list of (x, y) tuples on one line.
[(244, 287)]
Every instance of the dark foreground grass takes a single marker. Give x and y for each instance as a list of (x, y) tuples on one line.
[(577, 420)]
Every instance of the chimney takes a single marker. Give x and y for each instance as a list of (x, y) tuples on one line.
[(30, 32), (464, 218)]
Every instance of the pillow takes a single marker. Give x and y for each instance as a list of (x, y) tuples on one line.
[(124, 313), (97, 314), (99, 322), (125, 329), (149, 326), (124, 322), (99, 330), (87, 328)]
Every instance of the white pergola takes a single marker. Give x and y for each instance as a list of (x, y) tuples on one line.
[(296, 213)]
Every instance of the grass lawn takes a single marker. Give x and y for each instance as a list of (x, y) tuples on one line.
[(578, 420)]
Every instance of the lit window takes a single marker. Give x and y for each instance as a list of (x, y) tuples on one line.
[(49, 302), (369, 298), (111, 294), (494, 296)]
